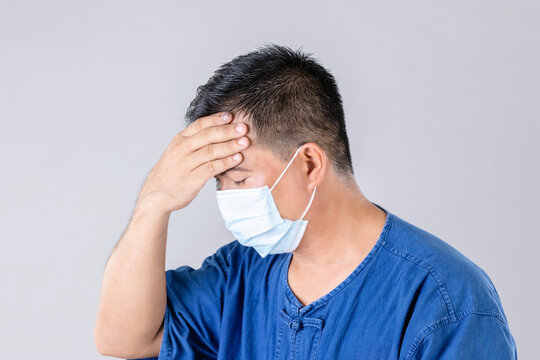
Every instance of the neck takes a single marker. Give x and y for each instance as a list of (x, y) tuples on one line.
[(343, 225)]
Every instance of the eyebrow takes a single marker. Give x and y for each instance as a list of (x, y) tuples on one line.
[(236, 168)]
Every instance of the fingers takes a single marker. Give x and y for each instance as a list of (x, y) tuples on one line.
[(219, 150), (201, 123), (211, 168), (214, 134), (209, 144)]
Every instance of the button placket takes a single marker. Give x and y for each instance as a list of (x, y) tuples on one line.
[(298, 325)]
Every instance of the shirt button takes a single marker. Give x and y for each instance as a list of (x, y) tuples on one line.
[(296, 324)]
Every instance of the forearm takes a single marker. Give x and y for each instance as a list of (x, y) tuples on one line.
[(133, 293)]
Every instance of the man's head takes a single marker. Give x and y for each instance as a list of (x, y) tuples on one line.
[(286, 97)]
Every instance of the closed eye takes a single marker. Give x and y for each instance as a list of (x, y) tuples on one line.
[(218, 183)]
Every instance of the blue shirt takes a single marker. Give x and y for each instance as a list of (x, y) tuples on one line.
[(412, 297)]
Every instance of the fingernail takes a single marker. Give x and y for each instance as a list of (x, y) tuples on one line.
[(225, 117), (242, 141), (239, 128)]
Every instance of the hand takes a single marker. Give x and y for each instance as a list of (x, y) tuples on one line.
[(196, 154)]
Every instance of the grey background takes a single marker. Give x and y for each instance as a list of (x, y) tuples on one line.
[(442, 109)]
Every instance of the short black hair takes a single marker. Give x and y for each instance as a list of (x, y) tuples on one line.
[(288, 97)]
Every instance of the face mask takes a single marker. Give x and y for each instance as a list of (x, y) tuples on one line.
[(252, 217)]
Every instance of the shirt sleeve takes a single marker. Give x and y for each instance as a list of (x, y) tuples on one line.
[(476, 335), (194, 308)]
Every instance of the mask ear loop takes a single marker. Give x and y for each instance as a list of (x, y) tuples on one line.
[(289, 164), (307, 208)]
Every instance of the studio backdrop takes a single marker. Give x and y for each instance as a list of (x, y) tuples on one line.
[(441, 104)]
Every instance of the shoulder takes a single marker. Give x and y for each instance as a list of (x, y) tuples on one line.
[(234, 253), (461, 284), (236, 258), (459, 302), (471, 334)]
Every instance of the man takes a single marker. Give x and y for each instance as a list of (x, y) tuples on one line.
[(316, 270)]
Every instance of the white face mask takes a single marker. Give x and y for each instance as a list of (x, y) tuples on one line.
[(252, 217)]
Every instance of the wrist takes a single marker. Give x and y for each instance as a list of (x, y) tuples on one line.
[(152, 207)]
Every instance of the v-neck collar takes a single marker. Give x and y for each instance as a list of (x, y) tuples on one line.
[(297, 305)]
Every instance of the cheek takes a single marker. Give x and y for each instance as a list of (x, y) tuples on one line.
[(259, 179), (291, 196)]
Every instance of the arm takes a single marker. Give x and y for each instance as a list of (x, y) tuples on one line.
[(133, 293), (133, 299)]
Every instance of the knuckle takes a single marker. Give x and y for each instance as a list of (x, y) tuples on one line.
[(186, 145), (197, 125), (210, 167), (179, 135), (205, 133), (210, 150)]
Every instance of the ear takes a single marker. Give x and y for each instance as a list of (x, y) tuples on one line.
[(314, 163)]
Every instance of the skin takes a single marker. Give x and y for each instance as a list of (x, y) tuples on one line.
[(133, 294), (348, 234)]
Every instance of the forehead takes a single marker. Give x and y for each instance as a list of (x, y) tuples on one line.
[(255, 157)]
